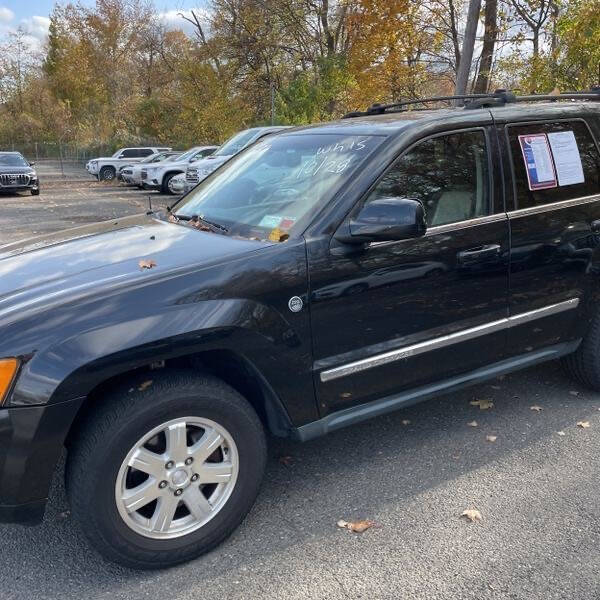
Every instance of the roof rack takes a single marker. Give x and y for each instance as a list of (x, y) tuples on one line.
[(471, 101)]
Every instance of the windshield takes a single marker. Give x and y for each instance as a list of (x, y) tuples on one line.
[(152, 158), (13, 160), (188, 153), (238, 142), (273, 187), (173, 158)]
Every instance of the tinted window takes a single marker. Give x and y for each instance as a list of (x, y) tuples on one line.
[(449, 174), (143, 152), (564, 163), (129, 153)]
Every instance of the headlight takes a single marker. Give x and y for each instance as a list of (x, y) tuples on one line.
[(8, 370)]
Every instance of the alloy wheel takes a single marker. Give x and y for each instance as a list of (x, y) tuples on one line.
[(177, 477)]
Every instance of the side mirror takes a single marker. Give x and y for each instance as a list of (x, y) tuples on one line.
[(32, 163), (385, 219)]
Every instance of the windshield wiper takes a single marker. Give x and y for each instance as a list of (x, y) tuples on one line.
[(201, 219)]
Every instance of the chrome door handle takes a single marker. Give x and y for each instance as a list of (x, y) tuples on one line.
[(473, 254)]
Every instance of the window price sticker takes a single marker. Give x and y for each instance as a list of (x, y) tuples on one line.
[(566, 157), (538, 161)]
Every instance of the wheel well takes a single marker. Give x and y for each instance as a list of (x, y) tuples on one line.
[(231, 368), (176, 172)]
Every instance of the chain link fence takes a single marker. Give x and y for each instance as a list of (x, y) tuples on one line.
[(66, 159)]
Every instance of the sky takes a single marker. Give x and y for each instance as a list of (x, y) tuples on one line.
[(33, 16)]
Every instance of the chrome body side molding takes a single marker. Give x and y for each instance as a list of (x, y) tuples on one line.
[(446, 340)]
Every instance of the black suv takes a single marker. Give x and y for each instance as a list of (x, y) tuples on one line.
[(17, 175), (325, 275)]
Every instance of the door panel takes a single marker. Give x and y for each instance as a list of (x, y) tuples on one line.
[(394, 315), (396, 295)]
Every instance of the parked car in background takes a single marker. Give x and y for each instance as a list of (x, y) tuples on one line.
[(17, 174), (202, 168), (132, 173), (105, 168), (157, 177)]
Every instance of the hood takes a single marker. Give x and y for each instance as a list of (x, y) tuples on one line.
[(98, 258), (16, 170)]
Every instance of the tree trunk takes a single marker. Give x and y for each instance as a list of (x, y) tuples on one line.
[(454, 33), (487, 51), (464, 67)]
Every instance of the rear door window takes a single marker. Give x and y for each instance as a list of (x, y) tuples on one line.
[(553, 162)]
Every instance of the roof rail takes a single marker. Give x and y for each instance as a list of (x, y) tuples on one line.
[(471, 101)]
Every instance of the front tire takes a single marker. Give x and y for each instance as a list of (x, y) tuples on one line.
[(107, 174), (163, 474), (35, 192), (165, 187)]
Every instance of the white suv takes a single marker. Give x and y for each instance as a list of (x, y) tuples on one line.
[(105, 168), (159, 176)]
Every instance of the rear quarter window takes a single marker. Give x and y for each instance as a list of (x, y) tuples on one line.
[(568, 164)]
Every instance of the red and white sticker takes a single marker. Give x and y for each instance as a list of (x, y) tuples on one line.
[(539, 164)]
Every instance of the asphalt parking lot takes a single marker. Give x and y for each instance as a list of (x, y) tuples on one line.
[(413, 473)]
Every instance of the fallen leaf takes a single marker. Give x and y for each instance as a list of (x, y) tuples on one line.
[(356, 526), (491, 438), (472, 424), (346, 394), (536, 408), (146, 264), (472, 514), (483, 404), (65, 514), (286, 460), (496, 387), (145, 385), (574, 393), (560, 433), (583, 424), (405, 422)]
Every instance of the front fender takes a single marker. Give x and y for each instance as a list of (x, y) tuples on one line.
[(69, 351)]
